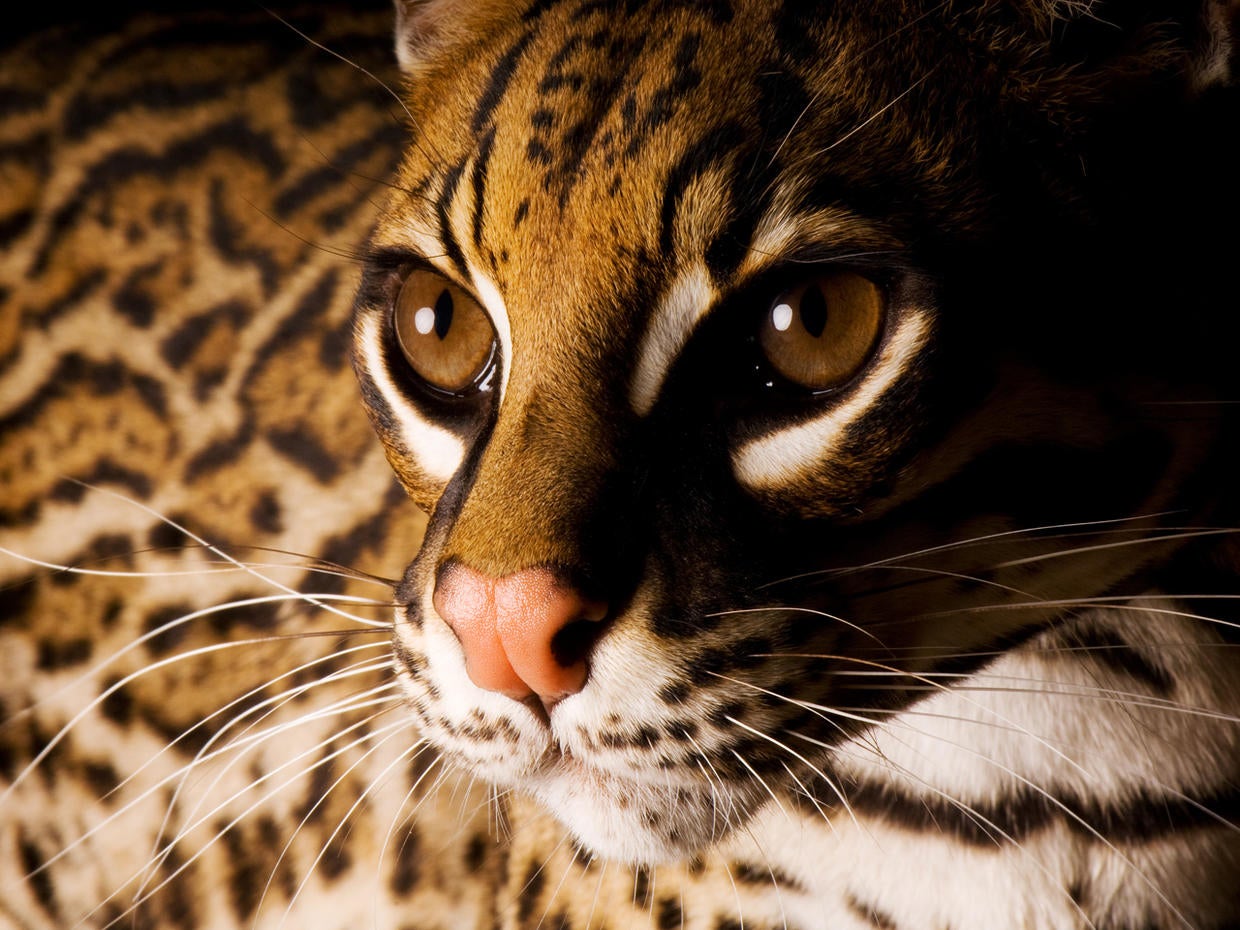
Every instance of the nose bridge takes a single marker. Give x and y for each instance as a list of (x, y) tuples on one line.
[(538, 482)]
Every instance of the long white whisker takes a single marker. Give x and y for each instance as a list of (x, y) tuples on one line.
[(348, 671), (180, 773), (112, 689), (145, 895), (374, 697), (826, 779), (970, 543), (403, 756), (245, 741), (220, 553), (173, 624)]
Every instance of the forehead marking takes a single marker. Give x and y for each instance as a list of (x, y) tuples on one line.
[(684, 304), (782, 456), (439, 452)]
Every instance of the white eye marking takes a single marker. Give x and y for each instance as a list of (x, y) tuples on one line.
[(488, 295), (437, 451), (781, 317), (782, 456), (424, 320), (688, 299)]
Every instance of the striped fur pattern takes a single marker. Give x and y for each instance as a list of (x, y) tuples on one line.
[(184, 741), (949, 645)]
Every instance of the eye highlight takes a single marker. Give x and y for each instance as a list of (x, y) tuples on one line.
[(445, 336), (818, 335)]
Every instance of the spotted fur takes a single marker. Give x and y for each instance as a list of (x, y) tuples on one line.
[(952, 646)]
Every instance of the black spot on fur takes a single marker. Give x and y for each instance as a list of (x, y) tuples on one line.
[(642, 899), (407, 869), (228, 237), (117, 706), (105, 471), (57, 654), (220, 453), (476, 852), (101, 776), (17, 599), (40, 882), (303, 450), (670, 916), (531, 891), (500, 78), (266, 514), (132, 301), (165, 536), (704, 154), (179, 346), (676, 692), (1111, 650), (168, 639), (869, 913)]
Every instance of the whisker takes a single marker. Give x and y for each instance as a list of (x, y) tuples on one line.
[(975, 541), (1061, 553), (811, 706), (826, 780), (800, 610), (116, 686), (372, 697), (348, 61), (401, 757), (879, 112), (243, 742), (760, 780), (216, 550), (399, 819), (1055, 802), (95, 670), (199, 758), (144, 895), (1112, 603)]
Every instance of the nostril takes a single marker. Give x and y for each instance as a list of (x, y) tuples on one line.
[(573, 642)]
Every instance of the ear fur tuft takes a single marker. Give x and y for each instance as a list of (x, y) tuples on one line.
[(424, 28)]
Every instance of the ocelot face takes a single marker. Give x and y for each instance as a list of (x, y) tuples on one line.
[(756, 377)]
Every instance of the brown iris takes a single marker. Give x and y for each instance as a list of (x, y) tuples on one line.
[(820, 334), (446, 337)]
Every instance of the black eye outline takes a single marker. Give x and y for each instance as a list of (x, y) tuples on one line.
[(481, 377)]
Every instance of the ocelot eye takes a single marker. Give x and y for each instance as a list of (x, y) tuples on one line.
[(819, 334), (446, 337)]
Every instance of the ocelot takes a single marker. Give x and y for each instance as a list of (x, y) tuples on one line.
[(825, 417)]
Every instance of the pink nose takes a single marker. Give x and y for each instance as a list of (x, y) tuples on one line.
[(526, 634)]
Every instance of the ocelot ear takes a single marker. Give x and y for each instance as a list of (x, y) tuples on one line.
[(1124, 39), (426, 28)]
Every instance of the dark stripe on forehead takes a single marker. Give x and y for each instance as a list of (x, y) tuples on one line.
[(479, 180), (501, 77), (452, 248), (696, 160), (782, 101)]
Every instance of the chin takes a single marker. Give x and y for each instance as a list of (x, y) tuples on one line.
[(637, 823)]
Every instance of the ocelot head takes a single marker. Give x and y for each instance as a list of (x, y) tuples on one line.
[(767, 368)]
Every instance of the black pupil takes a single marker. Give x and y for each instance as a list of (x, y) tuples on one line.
[(813, 311), (443, 314)]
